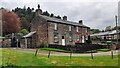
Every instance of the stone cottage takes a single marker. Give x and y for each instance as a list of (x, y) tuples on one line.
[(50, 30)]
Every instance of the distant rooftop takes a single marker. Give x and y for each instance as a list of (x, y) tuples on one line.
[(29, 34), (105, 33)]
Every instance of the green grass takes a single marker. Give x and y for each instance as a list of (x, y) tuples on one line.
[(11, 57), (65, 51), (104, 50), (53, 49), (93, 51)]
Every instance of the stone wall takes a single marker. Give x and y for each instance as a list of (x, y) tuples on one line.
[(63, 30), (45, 32), (40, 26), (5, 43)]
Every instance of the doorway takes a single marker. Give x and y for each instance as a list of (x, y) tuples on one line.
[(63, 40)]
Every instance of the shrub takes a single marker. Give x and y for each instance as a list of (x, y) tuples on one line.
[(42, 45), (24, 31)]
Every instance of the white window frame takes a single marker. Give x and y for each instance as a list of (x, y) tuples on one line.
[(56, 40), (86, 30), (55, 26), (70, 28), (77, 29)]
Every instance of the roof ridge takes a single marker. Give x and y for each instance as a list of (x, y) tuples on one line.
[(62, 21), (58, 19)]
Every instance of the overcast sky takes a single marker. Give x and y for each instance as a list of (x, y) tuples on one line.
[(94, 13)]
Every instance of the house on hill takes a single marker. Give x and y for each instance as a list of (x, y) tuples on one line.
[(50, 30)]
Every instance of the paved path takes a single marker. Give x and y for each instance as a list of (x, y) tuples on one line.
[(43, 52)]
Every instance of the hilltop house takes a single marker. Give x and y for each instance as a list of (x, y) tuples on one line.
[(50, 30)]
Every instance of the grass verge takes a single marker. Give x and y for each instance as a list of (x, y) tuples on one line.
[(104, 50), (53, 49), (13, 58)]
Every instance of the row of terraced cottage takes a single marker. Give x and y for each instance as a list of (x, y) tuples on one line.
[(50, 30)]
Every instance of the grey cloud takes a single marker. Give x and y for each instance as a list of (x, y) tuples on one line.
[(94, 14)]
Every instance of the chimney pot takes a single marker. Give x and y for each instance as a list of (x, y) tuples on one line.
[(38, 11), (80, 22), (65, 18)]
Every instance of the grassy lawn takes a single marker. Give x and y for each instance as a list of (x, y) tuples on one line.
[(53, 49), (11, 57), (64, 51), (104, 50)]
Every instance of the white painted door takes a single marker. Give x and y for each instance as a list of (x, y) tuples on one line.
[(63, 41), (83, 39)]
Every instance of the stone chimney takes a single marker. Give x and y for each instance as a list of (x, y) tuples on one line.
[(65, 18), (38, 11), (80, 22)]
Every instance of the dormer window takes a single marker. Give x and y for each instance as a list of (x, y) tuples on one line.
[(70, 28), (77, 29), (55, 26)]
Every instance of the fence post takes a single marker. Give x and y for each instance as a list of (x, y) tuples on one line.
[(91, 54), (112, 53), (49, 54), (70, 52), (113, 47), (36, 52)]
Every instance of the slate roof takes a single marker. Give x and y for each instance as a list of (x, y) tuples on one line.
[(2, 37), (52, 19), (29, 34)]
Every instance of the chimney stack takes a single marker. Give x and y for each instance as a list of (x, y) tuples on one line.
[(80, 22), (65, 18), (38, 11)]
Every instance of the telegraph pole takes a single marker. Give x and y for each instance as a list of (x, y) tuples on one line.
[(1, 28), (1, 23), (116, 29), (1, 32)]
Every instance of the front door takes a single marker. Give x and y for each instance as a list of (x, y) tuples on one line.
[(83, 39), (63, 40)]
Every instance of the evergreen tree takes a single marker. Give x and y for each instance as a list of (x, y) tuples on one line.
[(46, 13), (24, 23), (58, 17), (29, 10), (52, 15)]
